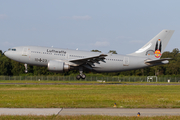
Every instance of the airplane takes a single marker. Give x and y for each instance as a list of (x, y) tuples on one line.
[(60, 60)]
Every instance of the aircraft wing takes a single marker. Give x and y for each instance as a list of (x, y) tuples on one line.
[(164, 61), (90, 60)]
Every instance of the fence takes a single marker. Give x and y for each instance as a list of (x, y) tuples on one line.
[(94, 78)]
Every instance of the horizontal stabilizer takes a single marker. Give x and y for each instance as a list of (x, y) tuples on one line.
[(163, 61)]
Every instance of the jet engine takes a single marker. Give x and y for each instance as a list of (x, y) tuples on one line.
[(57, 66)]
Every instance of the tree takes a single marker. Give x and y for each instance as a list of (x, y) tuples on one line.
[(112, 51), (5, 65), (95, 51), (17, 68), (175, 51), (38, 70), (1, 52)]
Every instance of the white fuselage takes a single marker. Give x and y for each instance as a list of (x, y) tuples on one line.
[(40, 56)]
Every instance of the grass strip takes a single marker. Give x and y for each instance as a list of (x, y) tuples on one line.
[(89, 96), (84, 81)]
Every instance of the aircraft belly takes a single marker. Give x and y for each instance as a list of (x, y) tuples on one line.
[(108, 67)]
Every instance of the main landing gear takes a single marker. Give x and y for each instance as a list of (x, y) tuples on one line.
[(81, 75), (26, 70)]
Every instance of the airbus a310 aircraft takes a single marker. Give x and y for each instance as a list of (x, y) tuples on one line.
[(60, 60)]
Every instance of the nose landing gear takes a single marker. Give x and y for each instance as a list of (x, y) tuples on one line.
[(26, 70)]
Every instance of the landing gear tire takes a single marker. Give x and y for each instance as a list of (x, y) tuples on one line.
[(83, 76), (26, 71), (78, 77), (26, 68)]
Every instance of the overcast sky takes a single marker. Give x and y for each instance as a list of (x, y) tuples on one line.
[(121, 25)]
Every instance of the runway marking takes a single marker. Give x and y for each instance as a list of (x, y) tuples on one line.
[(60, 111)]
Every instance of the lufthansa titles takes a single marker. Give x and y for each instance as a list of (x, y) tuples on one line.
[(56, 51)]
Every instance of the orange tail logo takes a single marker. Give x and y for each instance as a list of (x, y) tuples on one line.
[(157, 52)]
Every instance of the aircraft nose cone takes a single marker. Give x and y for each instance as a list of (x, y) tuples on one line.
[(7, 54)]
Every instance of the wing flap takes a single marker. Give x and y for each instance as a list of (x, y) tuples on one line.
[(92, 58), (88, 60)]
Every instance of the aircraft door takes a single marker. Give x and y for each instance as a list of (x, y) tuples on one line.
[(67, 56), (126, 61), (29, 53), (25, 51)]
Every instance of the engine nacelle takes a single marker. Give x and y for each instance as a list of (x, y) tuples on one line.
[(57, 66)]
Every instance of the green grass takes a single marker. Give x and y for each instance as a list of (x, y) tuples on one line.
[(86, 117), (89, 96), (84, 81), (46, 81)]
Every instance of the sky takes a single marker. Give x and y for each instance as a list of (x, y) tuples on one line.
[(120, 25)]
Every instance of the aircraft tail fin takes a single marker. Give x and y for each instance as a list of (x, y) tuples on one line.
[(155, 47)]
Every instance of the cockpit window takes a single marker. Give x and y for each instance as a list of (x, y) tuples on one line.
[(11, 49)]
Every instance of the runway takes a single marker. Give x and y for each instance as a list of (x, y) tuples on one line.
[(90, 111)]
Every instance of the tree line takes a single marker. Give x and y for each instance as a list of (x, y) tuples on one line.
[(13, 68)]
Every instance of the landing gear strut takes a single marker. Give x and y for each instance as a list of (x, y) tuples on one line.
[(81, 75), (26, 70)]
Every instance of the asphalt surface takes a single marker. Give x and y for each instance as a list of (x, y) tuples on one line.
[(29, 111), (89, 111)]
